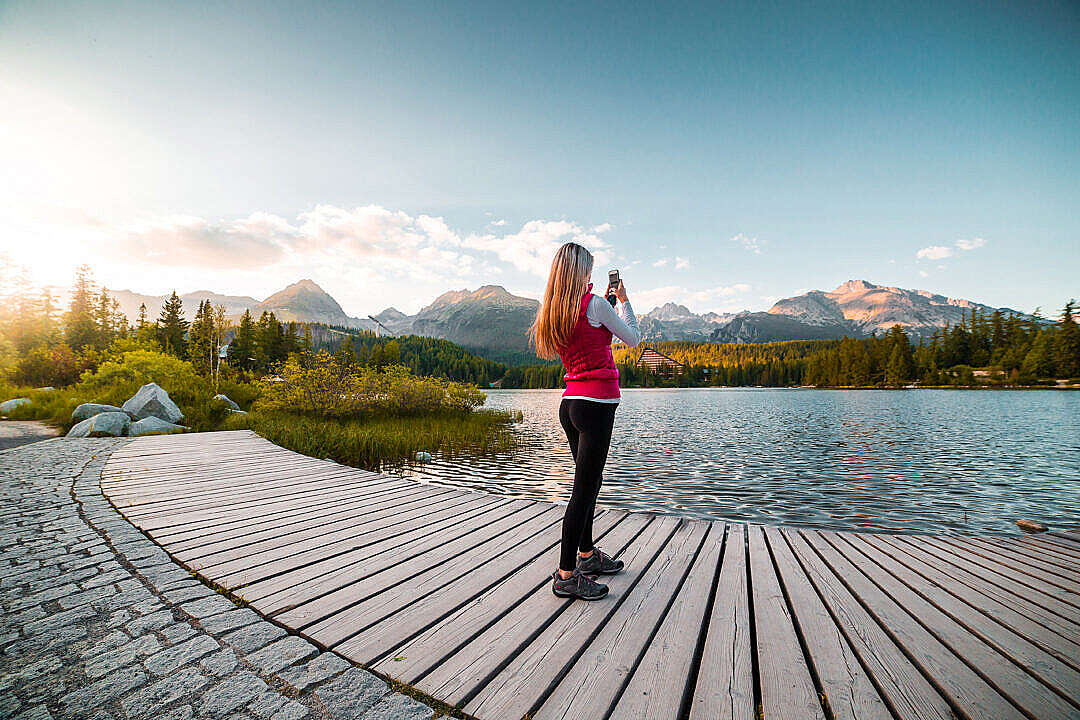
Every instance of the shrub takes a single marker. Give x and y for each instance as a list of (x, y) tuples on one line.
[(56, 366), (117, 379), (328, 386)]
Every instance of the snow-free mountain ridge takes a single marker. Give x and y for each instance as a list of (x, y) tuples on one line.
[(493, 321)]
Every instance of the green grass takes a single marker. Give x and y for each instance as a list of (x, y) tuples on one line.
[(381, 443)]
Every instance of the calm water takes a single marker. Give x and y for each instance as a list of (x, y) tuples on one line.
[(953, 461)]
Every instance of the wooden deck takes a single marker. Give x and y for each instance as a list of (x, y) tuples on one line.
[(448, 591)]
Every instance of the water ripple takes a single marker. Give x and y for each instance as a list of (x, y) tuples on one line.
[(914, 461)]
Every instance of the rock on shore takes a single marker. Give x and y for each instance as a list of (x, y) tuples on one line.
[(225, 399), (109, 424), (9, 405), (152, 426), (152, 401), (89, 410)]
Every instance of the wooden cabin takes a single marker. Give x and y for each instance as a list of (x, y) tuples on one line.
[(660, 363)]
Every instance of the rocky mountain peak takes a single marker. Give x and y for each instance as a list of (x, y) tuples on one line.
[(854, 286)]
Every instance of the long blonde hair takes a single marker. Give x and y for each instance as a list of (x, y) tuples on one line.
[(561, 306)]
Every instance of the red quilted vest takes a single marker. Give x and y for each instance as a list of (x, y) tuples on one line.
[(590, 366)]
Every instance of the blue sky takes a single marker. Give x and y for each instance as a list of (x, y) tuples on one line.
[(723, 155)]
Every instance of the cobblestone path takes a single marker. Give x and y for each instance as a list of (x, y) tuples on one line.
[(97, 622), (21, 432)]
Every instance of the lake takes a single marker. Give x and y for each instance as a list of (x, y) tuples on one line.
[(898, 461)]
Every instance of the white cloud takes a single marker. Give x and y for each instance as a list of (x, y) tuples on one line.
[(725, 298), (370, 255), (934, 252), (924, 273), (750, 243), (972, 244), (681, 263), (662, 262), (258, 240), (532, 248), (940, 252), (497, 223)]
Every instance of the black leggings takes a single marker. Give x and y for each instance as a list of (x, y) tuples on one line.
[(588, 429)]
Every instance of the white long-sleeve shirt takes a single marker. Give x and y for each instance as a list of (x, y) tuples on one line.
[(622, 325)]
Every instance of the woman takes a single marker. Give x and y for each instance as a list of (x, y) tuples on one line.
[(577, 326)]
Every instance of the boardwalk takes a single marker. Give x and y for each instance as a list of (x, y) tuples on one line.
[(448, 591)]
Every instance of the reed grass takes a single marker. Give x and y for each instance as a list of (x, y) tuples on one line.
[(383, 443)]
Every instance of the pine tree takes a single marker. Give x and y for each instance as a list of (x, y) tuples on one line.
[(220, 322), (80, 329), (172, 327), (1068, 344), (201, 339), (242, 348), (1040, 360), (899, 369)]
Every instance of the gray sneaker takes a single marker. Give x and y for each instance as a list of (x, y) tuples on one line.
[(599, 564), (578, 585)]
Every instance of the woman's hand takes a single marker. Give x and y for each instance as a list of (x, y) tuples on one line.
[(620, 291)]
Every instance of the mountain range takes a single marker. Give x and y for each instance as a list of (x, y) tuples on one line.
[(493, 322), (855, 309)]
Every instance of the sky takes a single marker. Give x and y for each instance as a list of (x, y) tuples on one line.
[(721, 155)]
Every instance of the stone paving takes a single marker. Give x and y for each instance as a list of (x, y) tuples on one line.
[(20, 432), (99, 623)]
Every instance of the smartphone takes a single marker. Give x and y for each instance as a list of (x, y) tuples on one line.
[(612, 283)]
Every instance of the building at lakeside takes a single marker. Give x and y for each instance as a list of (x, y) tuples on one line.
[(659, 363)]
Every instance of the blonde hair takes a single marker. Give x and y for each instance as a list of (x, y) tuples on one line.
[(561, 306)]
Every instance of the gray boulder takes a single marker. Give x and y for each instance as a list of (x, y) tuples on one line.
[(224, 398), (109, 424), (153, 401), (89, 410), (153, 426), (9, 405)]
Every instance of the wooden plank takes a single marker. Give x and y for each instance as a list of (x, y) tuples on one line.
[(162, 526), (666, 672), (296, 493), (992, 585), (283, 483), (325, 507), (908, 692), (530, 562), (1008, 581), (964, 687), (419, 655), (595, 680), (527, 679), (725, 685), (429, 574), (848, 691), (318, 600), (1019, 572), (1051, 546), (1061, 544), (1023, 565), (787, 689), (1072, 536), (995, 653), (282, 573), (476, 665), (213, 548), (1022, 553), (989, 600)]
